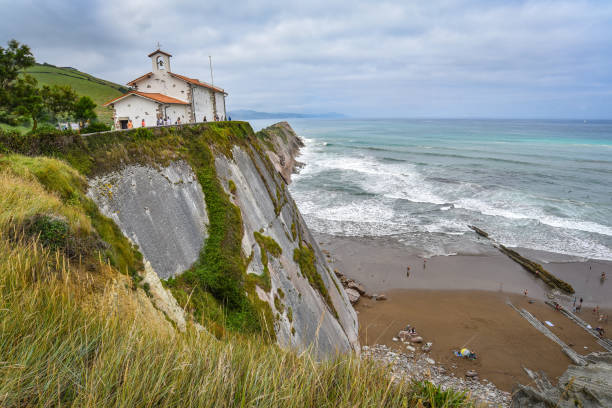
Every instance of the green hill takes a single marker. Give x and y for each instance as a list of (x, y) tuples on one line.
[(84, 84)]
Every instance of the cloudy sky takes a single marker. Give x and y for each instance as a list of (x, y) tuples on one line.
[(449, 58)]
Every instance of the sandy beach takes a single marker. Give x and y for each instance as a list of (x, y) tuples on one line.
[(461, 301)]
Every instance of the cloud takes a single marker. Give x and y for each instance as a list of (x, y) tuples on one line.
[(365, 58)]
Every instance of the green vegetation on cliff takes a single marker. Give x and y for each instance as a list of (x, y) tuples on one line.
[(214, 290), (77, 331), (62, 346), (304, 256)]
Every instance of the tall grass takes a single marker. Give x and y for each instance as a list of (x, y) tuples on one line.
[(55, 350), (76, 333)]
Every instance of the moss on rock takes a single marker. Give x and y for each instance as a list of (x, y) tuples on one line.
[(305, 258)]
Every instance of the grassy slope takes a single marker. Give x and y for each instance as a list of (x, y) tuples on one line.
[(60, 347), (99, 90)]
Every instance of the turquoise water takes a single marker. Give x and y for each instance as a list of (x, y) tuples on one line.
[(544, 185)]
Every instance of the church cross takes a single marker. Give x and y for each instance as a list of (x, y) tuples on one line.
[(158, 46)]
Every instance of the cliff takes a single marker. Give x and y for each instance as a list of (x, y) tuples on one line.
[(222, 242), (87, 321)]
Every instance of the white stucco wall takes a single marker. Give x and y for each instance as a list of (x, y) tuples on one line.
[(135, 108), (220, 101), (174, 111), (163, 83), (203, 103)]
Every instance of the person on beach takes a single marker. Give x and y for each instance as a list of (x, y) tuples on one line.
[(424, 263), (525, 292), (407, 271), (603, 276)]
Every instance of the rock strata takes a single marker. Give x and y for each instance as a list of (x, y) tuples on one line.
[(353, 295), (353, 289), (587, 386)]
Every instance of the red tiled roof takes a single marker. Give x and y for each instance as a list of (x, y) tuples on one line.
[(131, 83), (197, 82), (181, 77), (160, 51), (157, 97)]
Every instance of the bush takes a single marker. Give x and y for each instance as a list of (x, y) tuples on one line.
[(96, 127), (52, 232)]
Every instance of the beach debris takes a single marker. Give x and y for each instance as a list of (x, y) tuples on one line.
[(465, 353), (353, 295), (404, 335), (356, 286), (549, 323), (417, 367), (395, 339), (471, 373)]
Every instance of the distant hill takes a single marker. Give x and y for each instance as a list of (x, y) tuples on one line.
[(246, 114), (84, 84)]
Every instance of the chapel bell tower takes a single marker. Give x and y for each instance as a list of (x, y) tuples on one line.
[(160, 60)]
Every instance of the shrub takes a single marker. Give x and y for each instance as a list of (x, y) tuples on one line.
[(52, 232), (96, 127)]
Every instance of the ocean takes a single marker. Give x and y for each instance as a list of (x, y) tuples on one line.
[(542, 185)]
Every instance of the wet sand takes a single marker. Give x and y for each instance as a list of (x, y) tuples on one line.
[(481, 321), (460, 301), (380, 264)]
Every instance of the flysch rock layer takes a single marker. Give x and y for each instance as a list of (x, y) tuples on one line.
[(587, 386), (313, 321), (286, 145), (160, 210)]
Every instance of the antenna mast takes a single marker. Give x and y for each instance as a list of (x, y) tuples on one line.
[(212, 80)]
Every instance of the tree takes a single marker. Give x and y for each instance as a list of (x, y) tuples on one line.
[(59, 100), (13, 60), (25, 99), (84, 109)]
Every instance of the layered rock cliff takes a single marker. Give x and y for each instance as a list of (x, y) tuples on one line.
[(209, 209)]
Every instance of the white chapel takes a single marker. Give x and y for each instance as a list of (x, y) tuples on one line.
[(163, 95)]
